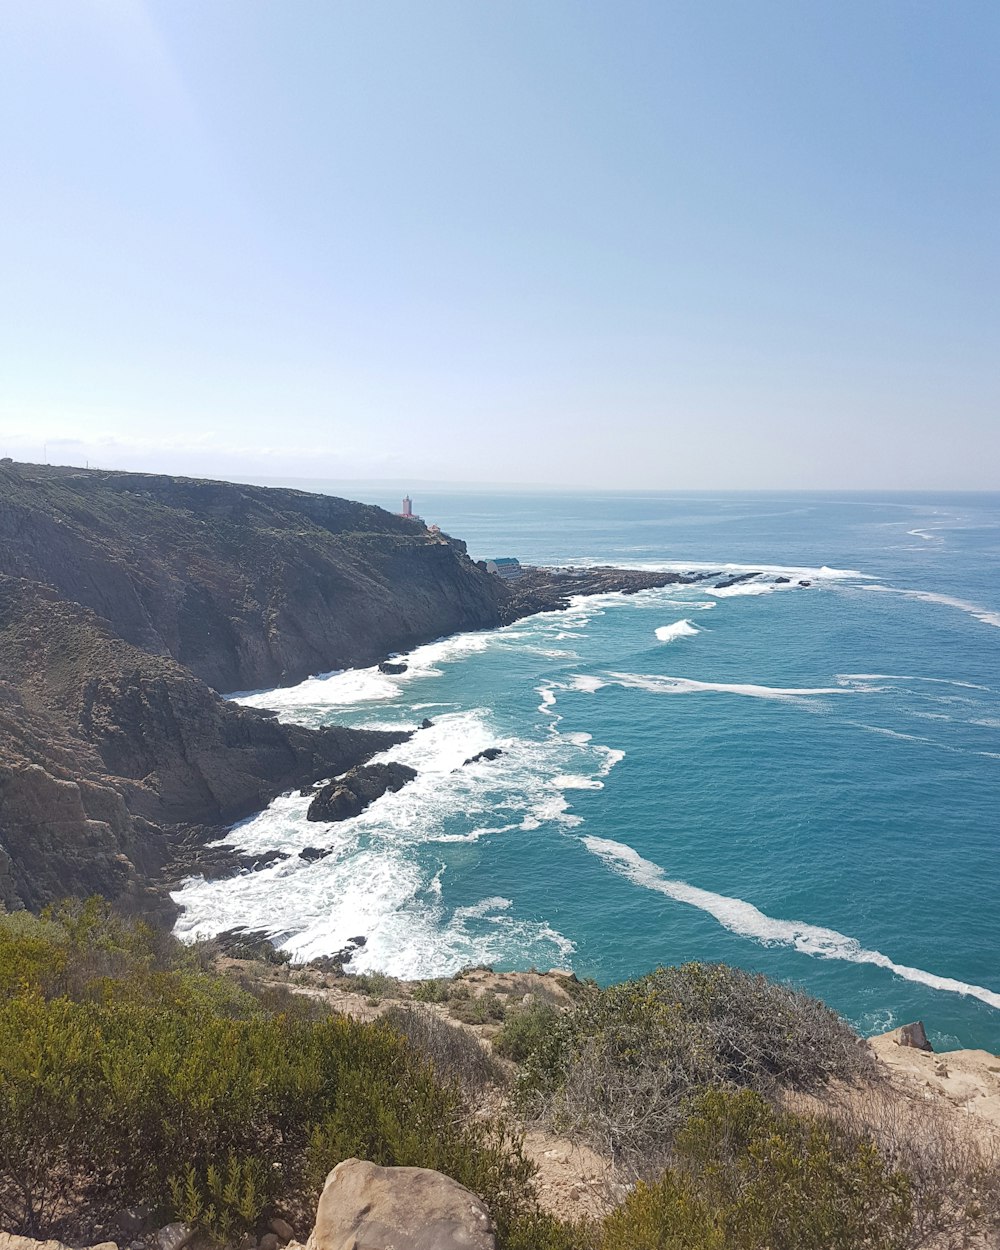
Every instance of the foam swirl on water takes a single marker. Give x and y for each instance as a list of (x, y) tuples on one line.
[(739, 916)]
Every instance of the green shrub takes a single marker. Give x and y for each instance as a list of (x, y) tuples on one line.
[(375, 984), (170, 1087), (485, 1008), (455, 1053), (621, 1064), (439, 990), (532, 1031), (746, 1177)]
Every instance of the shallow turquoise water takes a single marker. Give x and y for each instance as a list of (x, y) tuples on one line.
[(800, 781)]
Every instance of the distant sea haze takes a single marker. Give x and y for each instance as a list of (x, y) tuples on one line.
[(798, 779)]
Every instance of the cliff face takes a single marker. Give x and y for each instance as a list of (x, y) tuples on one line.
[(125, 599), (246, 586), (108, 755)]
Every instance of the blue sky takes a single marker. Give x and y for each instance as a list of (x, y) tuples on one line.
[(662, 245)]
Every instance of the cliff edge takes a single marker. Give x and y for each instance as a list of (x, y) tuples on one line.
[(127, 602)]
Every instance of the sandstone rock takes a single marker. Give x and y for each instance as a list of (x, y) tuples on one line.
[(10, 1241), (357, 789), (914, 1035), (366, 1207), (281, 1228)]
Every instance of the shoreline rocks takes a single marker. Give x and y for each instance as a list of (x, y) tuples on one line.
[(356, 790)]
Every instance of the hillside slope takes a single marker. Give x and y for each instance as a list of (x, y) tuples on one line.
[(127, 601), (247, 586)]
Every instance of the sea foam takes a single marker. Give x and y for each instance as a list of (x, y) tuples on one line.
[(741, 917), (659, 684), (679, 629), (988, 616)]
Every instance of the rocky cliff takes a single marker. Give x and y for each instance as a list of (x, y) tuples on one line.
[(246, 586), (127, 602)]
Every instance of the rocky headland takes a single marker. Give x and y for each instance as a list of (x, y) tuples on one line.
[(130, 603)]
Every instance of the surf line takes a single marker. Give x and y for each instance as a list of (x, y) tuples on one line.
[(743, 918)]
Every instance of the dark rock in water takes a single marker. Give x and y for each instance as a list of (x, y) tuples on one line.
[(915, 1036), (426, 723), (361, 940), (735, 581), (781, 581), (551, 589), (491, 753), (352, 793), (805, 583), (313, 853), (391, 667), (264, 859)]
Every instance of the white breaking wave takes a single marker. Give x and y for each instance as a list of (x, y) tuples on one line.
[(316, 696), (657, 684), (744, 588), (739, 916), (804, 572), (376, 879), (679, 629), (987, 615)]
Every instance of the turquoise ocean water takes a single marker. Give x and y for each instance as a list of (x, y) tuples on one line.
[(799, 781)]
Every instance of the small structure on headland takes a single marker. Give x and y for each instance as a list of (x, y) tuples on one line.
[(408, 510), (507, 567)]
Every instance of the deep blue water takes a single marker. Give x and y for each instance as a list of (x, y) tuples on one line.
[(802, 781)]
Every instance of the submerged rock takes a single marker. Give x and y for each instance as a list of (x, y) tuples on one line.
[(738, 580), (311, 854), (357, 789)]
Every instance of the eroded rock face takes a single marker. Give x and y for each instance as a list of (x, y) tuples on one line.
[(116, 765), (366, 1207), (358, 789)]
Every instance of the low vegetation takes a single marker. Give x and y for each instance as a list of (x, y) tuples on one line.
[(621, 1066), (131, 1073)]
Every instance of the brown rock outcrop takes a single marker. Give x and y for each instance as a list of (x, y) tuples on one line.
[(366, 1207)]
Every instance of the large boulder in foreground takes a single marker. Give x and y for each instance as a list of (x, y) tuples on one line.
[(365, 1207), (361, 786)]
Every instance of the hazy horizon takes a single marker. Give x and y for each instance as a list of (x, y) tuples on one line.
[(631, 247)]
